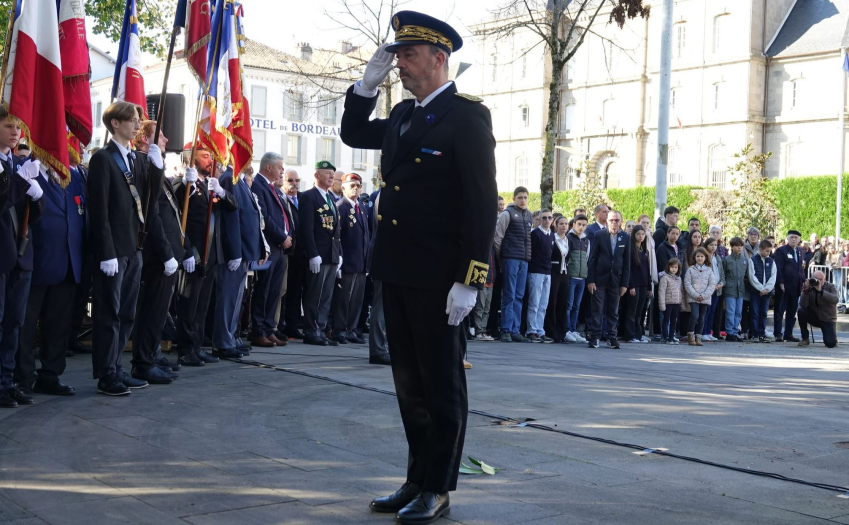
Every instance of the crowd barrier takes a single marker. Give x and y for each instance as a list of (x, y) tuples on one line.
[(836, 276)]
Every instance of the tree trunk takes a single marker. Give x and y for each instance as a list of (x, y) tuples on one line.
[(546, 184)]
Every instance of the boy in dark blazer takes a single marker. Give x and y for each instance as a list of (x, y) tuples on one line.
[(319, 235), (355, 236), (123, 188), (609, 270)]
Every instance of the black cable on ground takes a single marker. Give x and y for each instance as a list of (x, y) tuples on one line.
[(836, 488)]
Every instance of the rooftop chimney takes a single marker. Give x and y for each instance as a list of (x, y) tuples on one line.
[(347, 47), (306, 51)]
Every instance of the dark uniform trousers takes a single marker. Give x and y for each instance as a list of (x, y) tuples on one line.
[(318, 295), (347, 303), (14, 289), (266, 296), (604, 308), (47, 307), (114, 303), (192, 306), (230, 290), (786, 304), (290, 313), (154, 301), (427, 365), (377, 343)]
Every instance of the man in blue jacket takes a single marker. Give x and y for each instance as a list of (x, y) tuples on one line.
[(348, 300), (790, 274), (277, 230), (57, 269), (608, 273)]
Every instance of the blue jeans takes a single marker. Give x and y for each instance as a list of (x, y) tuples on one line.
[(576, 293), (760, 308), (540, 285), (708, 326), (512, 292), (733, 314)]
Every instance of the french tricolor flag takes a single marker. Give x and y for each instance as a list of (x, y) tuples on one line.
[(128, 83), (33, 83)]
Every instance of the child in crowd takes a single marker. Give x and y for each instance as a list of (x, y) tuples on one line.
[(734, 269), (711, 246), (579, 253), (638, 287), (700, 283), (539, 277), (669, 300), (762, 284)]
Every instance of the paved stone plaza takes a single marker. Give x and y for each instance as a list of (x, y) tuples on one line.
[(235, 443)]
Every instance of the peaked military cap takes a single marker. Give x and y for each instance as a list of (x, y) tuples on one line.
[(324, 165), (412, 28)]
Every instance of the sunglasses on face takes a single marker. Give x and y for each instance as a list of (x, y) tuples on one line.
[(356, 185), (293, 180), (547, 218)]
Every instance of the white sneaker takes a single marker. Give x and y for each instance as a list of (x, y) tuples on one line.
[(711, 338), (579, 338), (482, 337), (645, 340), (636, 341), (570, 337)]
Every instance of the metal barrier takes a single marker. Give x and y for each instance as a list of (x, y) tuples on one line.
[(836, 276)]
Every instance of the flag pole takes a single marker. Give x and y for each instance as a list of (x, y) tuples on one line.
[(185, 217), (842, 132)]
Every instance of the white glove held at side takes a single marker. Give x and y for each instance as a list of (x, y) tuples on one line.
[(110, 267), (155, 156), (191, 175), (234, 264), (461, 301), (215, 187), (189, 264), (170, 266), (315, 264), (378, 67), (35, 192)]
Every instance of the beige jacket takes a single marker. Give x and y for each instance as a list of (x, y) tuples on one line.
[(669, 291), (700, 282)]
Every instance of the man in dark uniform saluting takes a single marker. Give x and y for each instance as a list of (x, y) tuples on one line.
[(441, 138)]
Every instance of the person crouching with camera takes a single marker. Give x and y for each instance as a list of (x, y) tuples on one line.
[(819, 309)]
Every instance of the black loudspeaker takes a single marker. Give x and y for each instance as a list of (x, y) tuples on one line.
[(174, 121)]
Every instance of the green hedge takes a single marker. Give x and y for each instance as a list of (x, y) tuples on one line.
[(806, 204)]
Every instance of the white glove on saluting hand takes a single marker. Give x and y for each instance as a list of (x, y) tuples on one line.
[(215, 187), (189, 264), (315, 264), (461, 300), (170, 266), (191, 175), (110, 267), (378, 67), (234, 264), (155, 156)]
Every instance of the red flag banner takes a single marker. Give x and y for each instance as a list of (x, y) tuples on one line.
[(242, 147), (73, 49), (198, 31), (33, 74)]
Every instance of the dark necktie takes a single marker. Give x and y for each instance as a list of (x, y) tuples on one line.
[(405, 125), (295, 200), (282, 210), (330, 204), (131, 158)]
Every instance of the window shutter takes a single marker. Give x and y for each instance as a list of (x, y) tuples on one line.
[(300, 151), (319, 154), (337, 153)]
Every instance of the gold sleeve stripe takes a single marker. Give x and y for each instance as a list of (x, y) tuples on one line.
[(477, 273)]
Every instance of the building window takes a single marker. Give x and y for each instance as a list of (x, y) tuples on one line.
[(524, 63), (295, 107), (526, 116), (718, 166), (680, 39), (673, 98), (98, 114), (791, 159), (568, 118), (716, 95), (720, 30), (326, 150), (328, 110), (793, 92), (293, 149), (608, 113), (259, 143), (522, 171), (359, 160), (258, 101), (673, 173), (494, 67)]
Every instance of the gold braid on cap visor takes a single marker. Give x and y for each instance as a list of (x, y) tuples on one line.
[(423, 33)]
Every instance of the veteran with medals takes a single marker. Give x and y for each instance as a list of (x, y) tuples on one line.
[(430, 254)]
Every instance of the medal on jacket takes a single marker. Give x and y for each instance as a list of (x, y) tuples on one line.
[(80, 204)]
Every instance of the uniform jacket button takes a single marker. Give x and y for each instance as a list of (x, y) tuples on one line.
[(379, 217), (382, 184), (394, 222), (418, 161), (397, 188)]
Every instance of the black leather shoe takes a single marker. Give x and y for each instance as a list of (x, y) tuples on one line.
[(163, 363), (341, 339), (397, 501), (791, 339), (26, 387), (154, 376), (227, 353), (280, 335), (53, 387), (243, 347), (294, 334), (201, 354), (356, 339), (380, 360), (330, 342), (315, 340), (20, 397), (111, 386), (427, 507), (190, 359), (6, 400), (779, 339), (131, 382)]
